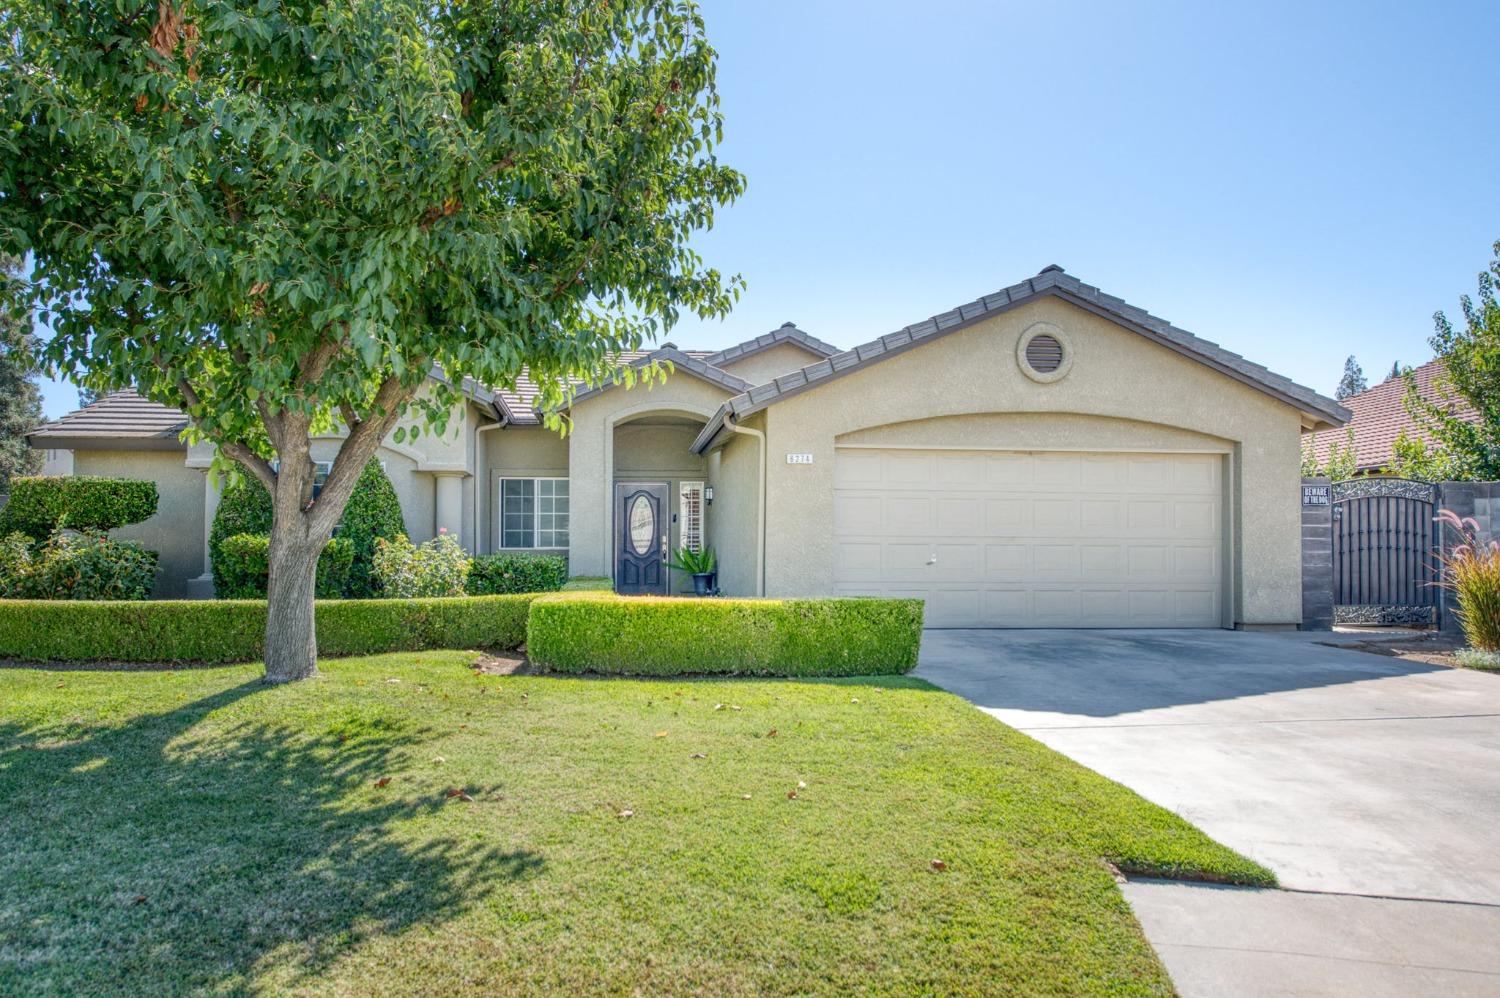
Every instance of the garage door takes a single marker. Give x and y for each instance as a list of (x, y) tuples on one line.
[(1034, 539)]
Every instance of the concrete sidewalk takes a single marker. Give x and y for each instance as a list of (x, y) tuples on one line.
[(1345, 772)]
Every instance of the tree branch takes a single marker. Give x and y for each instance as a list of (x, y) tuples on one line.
[(355, 452), (253, 462)]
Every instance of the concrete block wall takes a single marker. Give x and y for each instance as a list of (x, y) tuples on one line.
[(1480, 500), (1317, 563)]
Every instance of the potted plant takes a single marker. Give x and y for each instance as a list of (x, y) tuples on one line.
[(700, 565)]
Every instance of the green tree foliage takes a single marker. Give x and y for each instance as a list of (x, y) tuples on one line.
[(278, 216), (1353, 381), (1411, 457), (1471, 358), (1396, 370), (373, 512), (1341, 463), (20, 398)]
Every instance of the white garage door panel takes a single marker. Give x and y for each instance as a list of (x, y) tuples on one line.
[(1000, 539)]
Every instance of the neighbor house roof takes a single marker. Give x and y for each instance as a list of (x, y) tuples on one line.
[(1380, 416), (120, 418), (1054, 282)]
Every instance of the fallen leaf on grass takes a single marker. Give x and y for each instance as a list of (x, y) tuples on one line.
[(383, 781), (854, 699), (393, 680), (660, 734), (459, 793), (736, 708), (627, 813), (939, 865), (801, 784), (718, 706), (744, 796), (771, 733), (139, 899), (700, 755), (791, 795), (439, 759)]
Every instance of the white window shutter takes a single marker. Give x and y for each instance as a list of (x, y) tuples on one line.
[(690, 515)]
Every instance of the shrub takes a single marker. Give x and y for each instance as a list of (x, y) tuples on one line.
[(75, 566), (373, 512), (38, 506), (245, 567), (1471, 570), (659, 636), (517, 573), (234, 630), (437, 568)]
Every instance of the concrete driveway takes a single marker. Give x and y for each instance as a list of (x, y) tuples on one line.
[(1370, 780)]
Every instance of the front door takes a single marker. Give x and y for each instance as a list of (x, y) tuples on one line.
[(641, 520)]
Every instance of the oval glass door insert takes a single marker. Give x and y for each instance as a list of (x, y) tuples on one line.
[(642, 525)]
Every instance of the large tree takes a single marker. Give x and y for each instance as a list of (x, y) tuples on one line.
[(1465, 448), (278, 214), (20, 398), (1353, 382)]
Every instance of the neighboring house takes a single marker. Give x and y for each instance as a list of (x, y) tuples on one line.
[(1379, 416), (1047, 455)]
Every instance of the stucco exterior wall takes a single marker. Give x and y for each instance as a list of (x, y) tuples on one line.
[(1115, 374), (591, 460), (734, 472), (176, 531), (783, 358), (517, 452)]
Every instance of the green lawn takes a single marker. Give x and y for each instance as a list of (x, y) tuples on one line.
[(176, 831)]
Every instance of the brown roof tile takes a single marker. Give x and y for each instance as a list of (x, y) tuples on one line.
[(123, 415), (1380, 415)]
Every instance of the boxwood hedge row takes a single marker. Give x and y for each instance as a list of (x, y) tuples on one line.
[(668, 636), (234, 630)]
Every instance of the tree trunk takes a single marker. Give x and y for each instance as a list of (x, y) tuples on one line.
[(291, 634)]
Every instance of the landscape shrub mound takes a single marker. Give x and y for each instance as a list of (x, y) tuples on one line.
[(244, 566), (373, 512), (234, 630), (666, 636), (39, 505), (517, 573), (440, 567), (75, 566)]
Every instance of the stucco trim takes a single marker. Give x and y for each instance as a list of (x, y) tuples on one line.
[(1051, 282)]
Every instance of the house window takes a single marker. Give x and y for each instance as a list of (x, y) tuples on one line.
[(533, 512), (690, 515), (320, 473)]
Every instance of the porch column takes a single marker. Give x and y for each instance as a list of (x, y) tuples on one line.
[(202, 586), (449, 505)]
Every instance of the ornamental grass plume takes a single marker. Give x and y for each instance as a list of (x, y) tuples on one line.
[(1471, 570)]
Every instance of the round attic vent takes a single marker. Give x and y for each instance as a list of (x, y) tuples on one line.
[(1043, 353)]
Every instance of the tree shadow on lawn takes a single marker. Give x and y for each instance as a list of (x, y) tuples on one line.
[(155, 856)]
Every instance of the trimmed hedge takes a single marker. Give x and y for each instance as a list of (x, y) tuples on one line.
[(80, 502), (234, 630), (517, 573), (668, 636), (244, 567)]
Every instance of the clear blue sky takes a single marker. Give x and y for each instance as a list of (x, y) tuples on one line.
[(1295, 181)]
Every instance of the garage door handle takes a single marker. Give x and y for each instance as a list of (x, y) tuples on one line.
[(932, 560)]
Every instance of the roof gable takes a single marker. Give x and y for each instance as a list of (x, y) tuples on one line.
[(786, 333), (682, 363), (119, 416), (1053, 281)]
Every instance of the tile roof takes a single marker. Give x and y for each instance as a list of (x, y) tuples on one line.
[(123, 415), (1051, 281), (787, 333), (519, 404), (1380, 415)]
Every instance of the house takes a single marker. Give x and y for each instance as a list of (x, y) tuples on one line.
[(1047, 455), (1379, 416)]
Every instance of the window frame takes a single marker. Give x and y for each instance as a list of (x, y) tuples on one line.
[(536, 528)]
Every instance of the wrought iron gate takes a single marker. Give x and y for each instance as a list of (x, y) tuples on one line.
[(1384, 569)]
